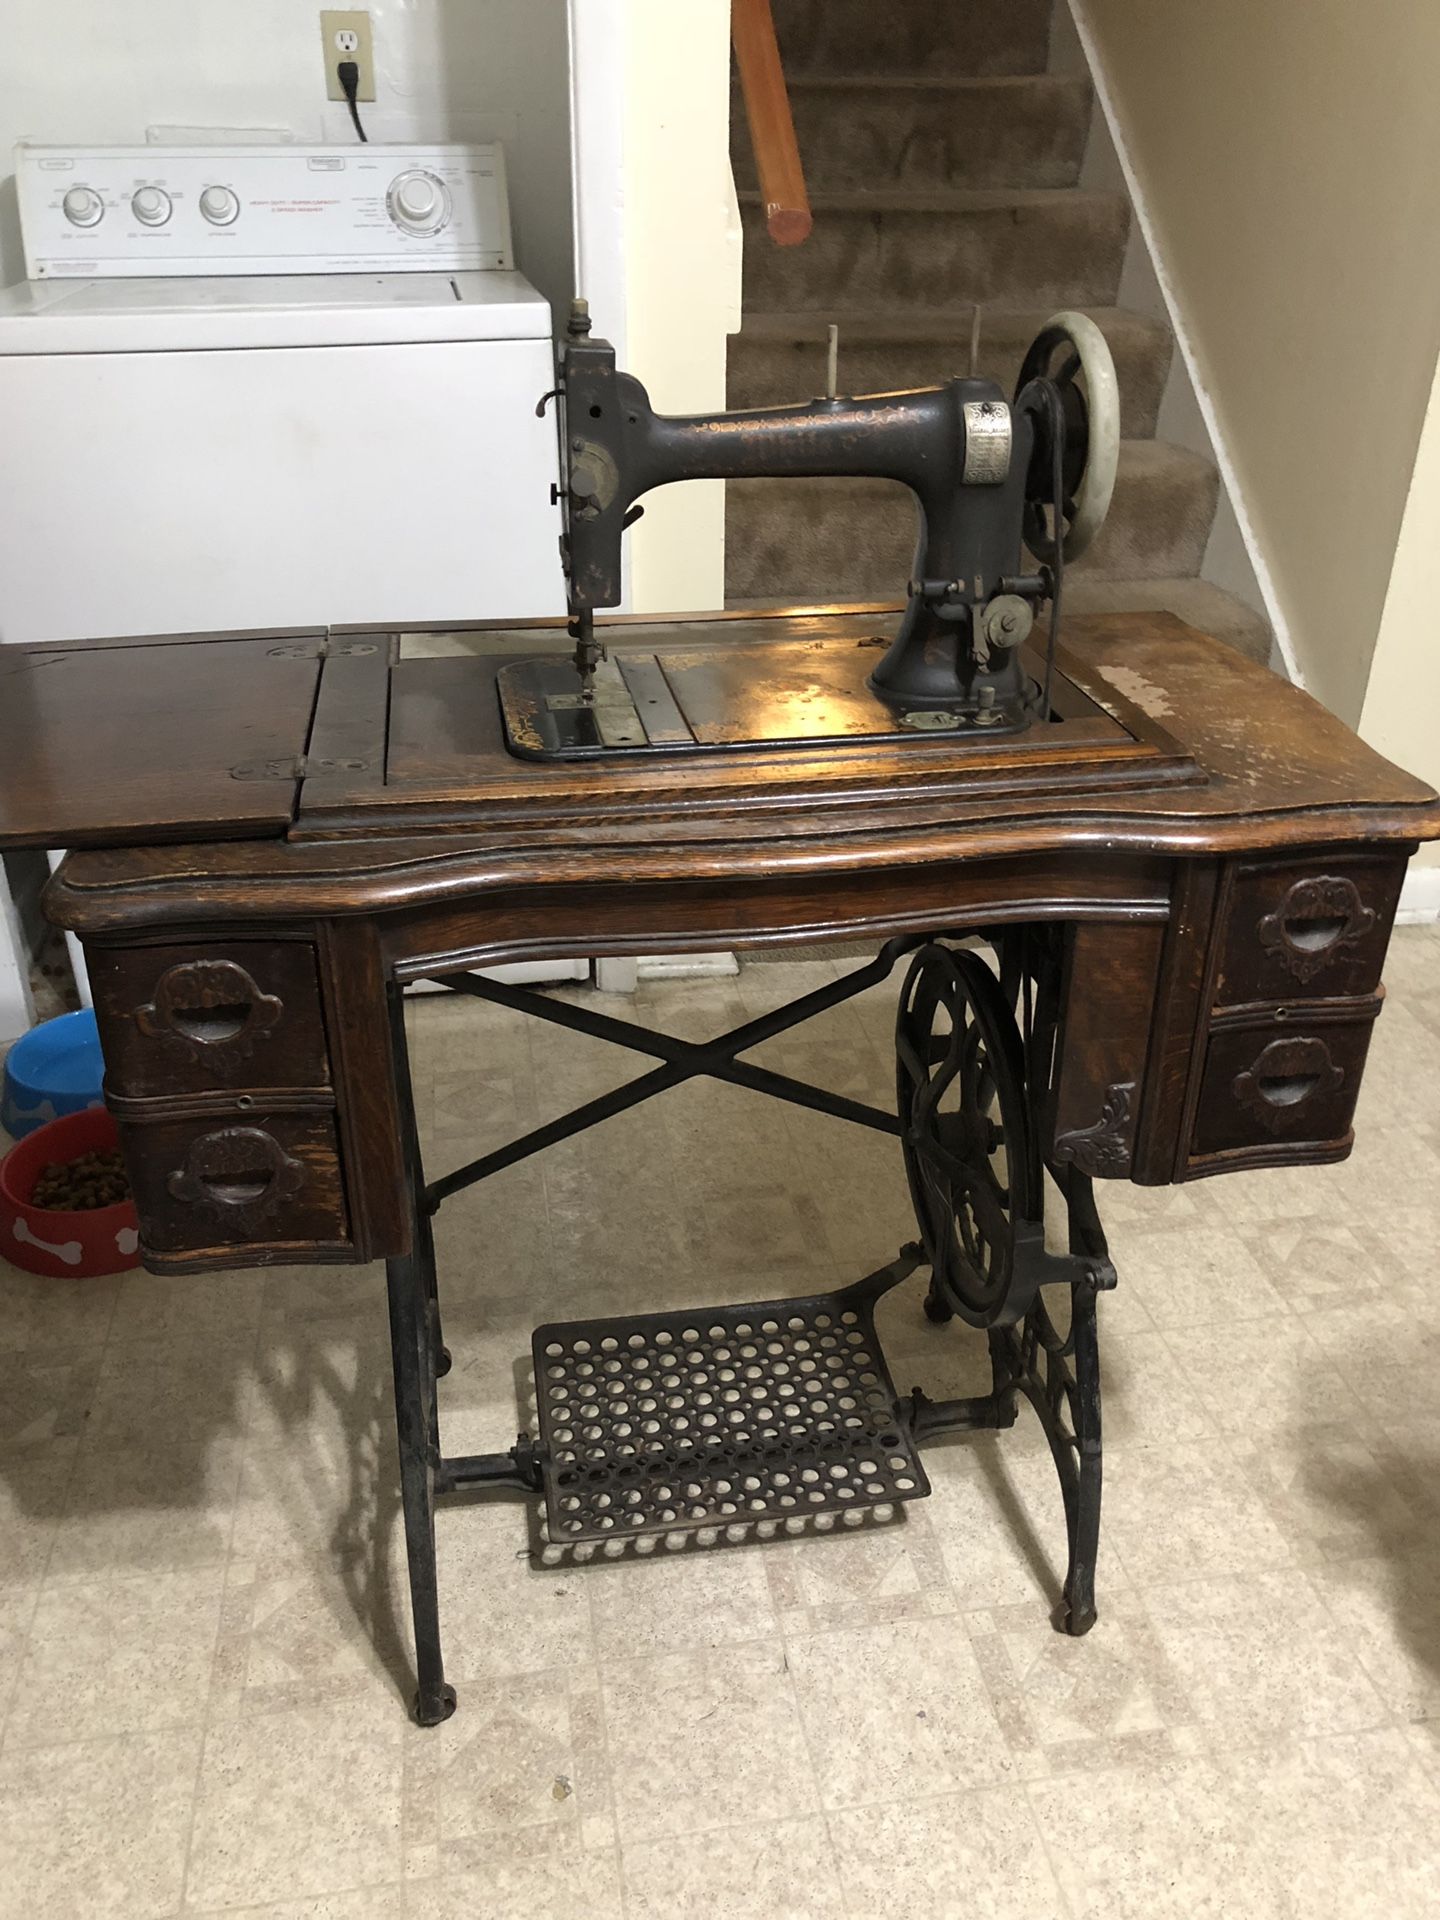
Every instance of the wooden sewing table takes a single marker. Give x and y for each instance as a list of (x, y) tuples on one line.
[(1189, 878)]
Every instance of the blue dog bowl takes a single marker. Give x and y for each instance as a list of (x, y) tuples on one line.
[(55, 1069)]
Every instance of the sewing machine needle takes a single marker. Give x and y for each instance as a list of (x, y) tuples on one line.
[(832, 360)]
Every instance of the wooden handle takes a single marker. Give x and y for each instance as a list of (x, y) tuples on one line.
[(772, 129), (207, 1004)]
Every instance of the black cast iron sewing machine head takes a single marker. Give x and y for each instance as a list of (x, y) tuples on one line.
[(992, 478)]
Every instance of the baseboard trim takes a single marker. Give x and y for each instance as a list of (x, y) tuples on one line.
[(1419, 897)]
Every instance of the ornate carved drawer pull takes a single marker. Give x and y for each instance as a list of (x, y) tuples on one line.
[(241, 1174), (1286, 1074), (210, 1003), (1316, 921)]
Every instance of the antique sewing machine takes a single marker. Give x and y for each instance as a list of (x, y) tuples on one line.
[(1185, 871), (984, 473)]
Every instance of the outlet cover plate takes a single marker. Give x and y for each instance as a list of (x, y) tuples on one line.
[(333, 24)]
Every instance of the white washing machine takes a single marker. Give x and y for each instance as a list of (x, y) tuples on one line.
[(351, 439), (269, 387)]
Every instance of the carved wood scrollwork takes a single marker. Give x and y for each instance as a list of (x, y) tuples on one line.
[(1103, 1148), (1285, 1075), (238, 1174), (208, 1004), (1318, 919)]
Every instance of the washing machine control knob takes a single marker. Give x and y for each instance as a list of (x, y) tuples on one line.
[(418, 202), (151, 206), (219, 206), (83, 207)]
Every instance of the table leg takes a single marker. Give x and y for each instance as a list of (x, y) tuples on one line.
[(416, 1349), (414, 1361)]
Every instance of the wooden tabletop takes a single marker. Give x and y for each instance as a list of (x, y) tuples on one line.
[(424, 803)]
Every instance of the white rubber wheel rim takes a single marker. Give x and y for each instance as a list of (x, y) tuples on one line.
[(1102, 399)]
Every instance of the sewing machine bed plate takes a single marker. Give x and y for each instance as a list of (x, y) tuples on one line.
[(739, 685), (797, 693)]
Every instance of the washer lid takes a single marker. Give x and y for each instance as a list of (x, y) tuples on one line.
[(289, 310)]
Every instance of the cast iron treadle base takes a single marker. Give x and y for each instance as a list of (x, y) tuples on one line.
[(662, 1423)]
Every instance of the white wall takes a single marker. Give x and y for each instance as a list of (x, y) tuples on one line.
[(1290, 159), (682, 269), (658, 235), (1401, 716), (1229, 560), (114, 72)]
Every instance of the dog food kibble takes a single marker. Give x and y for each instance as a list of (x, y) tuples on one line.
[(77, 1186)]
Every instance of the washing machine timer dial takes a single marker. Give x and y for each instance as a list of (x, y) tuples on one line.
[(83, 207), (151, 206), (418, 201), (219, 205)]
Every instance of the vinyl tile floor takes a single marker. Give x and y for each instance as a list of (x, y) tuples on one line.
[(204, 1622)]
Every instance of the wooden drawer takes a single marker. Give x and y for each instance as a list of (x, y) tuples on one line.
[(179, 1020), (262, 1178), (1314, 927), (1279, 1085)]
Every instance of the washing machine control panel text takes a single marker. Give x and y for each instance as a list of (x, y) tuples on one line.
[(118, 212)]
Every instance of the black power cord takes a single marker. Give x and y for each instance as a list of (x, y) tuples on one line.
[(348, 74)]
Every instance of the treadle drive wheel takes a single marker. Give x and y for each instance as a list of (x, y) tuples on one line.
[(969, 1151)]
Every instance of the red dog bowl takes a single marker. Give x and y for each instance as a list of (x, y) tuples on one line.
[(55, 1241)]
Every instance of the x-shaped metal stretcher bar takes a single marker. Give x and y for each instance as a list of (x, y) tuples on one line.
[(684, 1060)]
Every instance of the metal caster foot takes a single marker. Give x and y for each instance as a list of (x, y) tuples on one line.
[(443, 1362), (431, 1708)]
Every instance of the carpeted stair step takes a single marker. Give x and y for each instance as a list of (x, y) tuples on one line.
[(897, 248), (828, 539), (1196, 602), (778, 358), (863, 131), (901, 36)]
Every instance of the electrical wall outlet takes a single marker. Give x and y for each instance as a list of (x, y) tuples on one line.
[(346, 36)]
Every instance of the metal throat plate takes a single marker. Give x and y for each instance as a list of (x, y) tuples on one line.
[(718, 699), (663, 1423)]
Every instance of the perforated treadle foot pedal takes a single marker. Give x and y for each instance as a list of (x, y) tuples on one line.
[(667, 1422)]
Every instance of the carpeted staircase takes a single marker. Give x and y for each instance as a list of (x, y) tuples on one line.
[(941, 160)]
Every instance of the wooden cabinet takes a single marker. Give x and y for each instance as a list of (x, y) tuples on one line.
[(1301, 929), (219, 1074), (223, 1013), (259, 1178), (1280, 1083), (1291, 996)]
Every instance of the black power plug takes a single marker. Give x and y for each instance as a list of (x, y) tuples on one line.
[(348, 74)]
